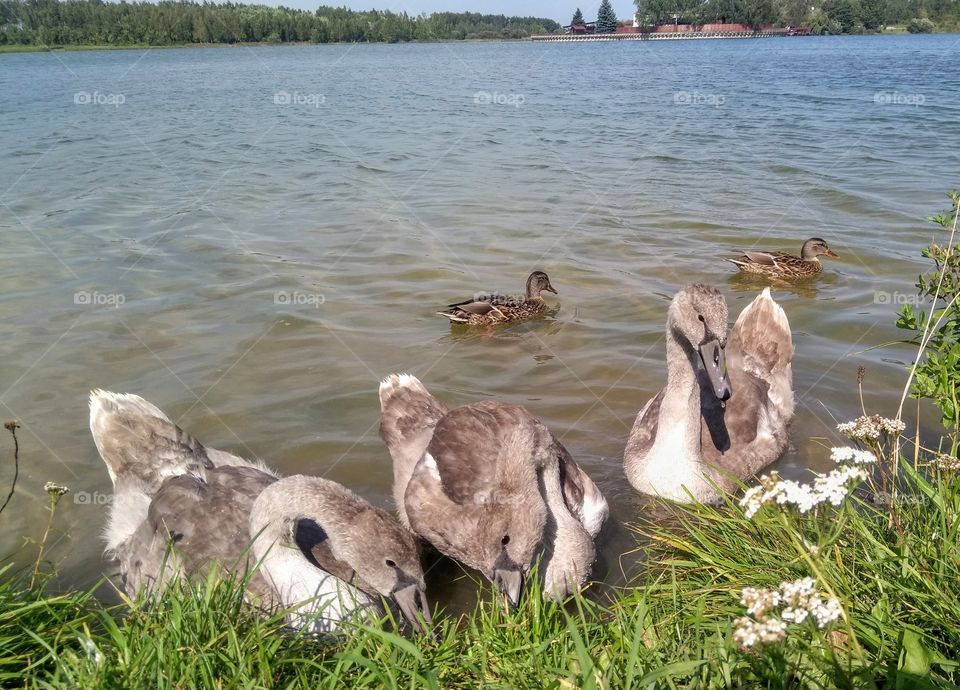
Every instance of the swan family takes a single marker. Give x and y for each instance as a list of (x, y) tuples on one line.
[(486, 484)]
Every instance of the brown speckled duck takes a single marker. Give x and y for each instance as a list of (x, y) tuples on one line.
[(783, 266), (487, 310)]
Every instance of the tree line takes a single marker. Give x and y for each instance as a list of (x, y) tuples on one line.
[(95, 22), (822, 16)]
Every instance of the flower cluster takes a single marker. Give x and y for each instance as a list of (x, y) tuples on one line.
[(854, 455), (798, 601), (55, 490), (947, 463), (748, 633), (871, 428), (826, 488)]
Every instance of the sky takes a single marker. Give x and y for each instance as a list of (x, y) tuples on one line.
[(560, 11)]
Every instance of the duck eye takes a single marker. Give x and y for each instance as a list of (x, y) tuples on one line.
[(505, 540), (390, 563)]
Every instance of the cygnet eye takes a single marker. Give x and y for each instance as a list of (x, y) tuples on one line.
[(390, 563), (505, 540), (700, 316)]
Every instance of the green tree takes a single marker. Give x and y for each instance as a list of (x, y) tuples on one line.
[(606, 18), (796, 12), (757, 13), (577, 18), (873, 14), (841, 12)]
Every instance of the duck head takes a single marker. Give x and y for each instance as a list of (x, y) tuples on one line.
[(698, 320), (815, 247), (538, 282)]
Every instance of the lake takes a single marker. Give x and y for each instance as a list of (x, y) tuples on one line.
[(251, 238)]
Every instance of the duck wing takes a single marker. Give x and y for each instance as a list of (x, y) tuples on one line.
[(761, 344), (749, 431), (192, 524), (485, 449), (581, 496), (643, 433)]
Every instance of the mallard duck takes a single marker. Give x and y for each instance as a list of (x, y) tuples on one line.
[(783, 266), (180, 508), (488, 485), (724, 412), (485, 310)]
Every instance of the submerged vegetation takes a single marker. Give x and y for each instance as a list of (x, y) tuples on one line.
[(843, 582), (90, 22)]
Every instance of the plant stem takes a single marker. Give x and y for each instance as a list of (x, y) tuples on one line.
[(43, 541), (815, 569), (12, 427), (928, 332)]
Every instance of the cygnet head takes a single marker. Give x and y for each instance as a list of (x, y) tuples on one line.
[(387, 561), (697, 318)]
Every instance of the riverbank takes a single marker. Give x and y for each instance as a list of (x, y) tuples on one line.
[(683, 625), (840, 584)]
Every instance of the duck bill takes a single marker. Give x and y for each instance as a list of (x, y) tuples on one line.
[(832, 253), (510, 583), (550, 288), (714, 360), (413, 605)]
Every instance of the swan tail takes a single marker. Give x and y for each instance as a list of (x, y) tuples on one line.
[(762, 334), (408, 416), (139, 443)]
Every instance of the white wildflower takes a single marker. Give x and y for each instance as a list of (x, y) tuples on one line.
[(773, 630), (796, 593), (947, 463), (799, 600), (826, 488), (752, 501), (748, 633), (759, 601), (827, 613), (55, 491), (871, 428), (854, 455)]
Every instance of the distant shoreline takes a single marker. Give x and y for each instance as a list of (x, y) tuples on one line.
[(12, 49), (16, 48)]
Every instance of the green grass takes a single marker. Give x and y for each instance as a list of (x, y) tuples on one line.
[(671, 629)]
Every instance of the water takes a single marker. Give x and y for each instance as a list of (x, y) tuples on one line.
[(402, 177)]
